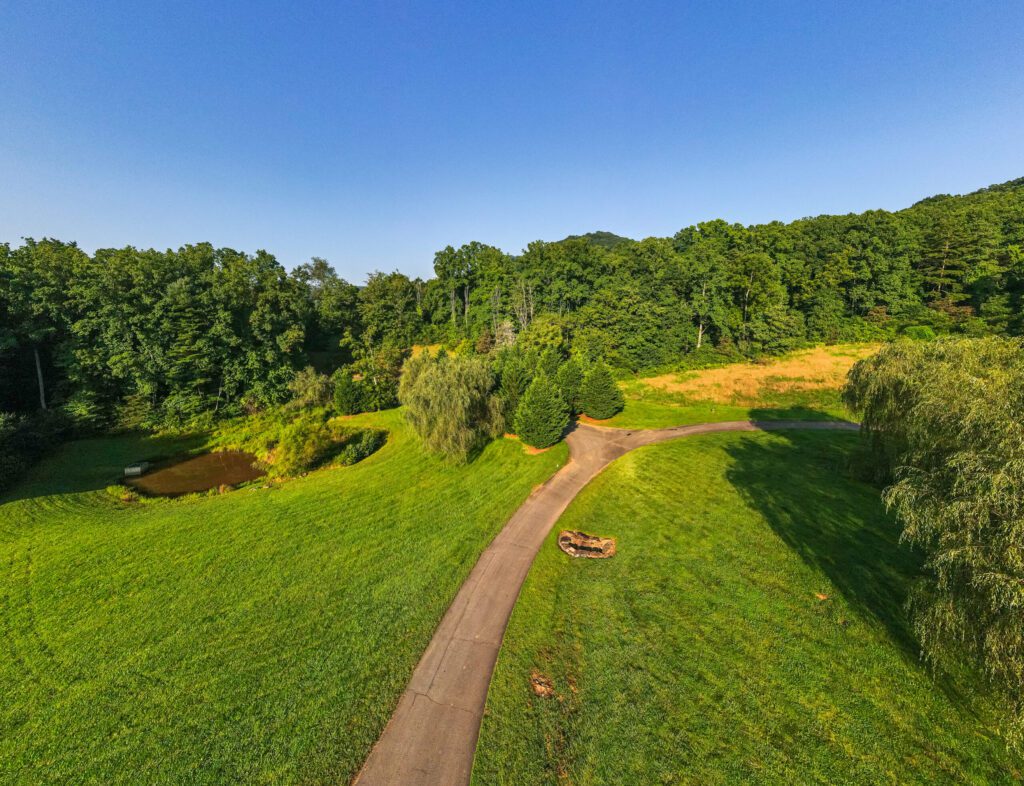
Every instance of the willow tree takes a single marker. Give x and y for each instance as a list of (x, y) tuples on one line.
[(947, 419), (449, 402)]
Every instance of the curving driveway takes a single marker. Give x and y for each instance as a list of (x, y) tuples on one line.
[(431, 737)]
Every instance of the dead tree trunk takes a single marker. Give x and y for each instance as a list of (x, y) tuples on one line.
[(39, 376)]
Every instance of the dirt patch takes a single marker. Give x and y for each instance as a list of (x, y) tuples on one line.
[(531, 451), (541, 686), (594, 421), (580, 544), (820, 368), (527, 449)]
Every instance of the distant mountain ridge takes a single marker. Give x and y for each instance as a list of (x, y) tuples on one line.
[(603, 239)]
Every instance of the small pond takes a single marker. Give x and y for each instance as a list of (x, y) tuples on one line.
[(199, 473)]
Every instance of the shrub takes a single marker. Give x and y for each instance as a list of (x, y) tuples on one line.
[(600, 397), (84, 411), (919, 333), (484, 342), (310, 388), (379, 372), (289, 443), (361, 445), (349, 397), (258, 434), (184, 409), (24, 440), (542, 415), (569, 381), (305, 443)]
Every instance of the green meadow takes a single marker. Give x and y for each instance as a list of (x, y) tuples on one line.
[(749, 630), (258, 636)]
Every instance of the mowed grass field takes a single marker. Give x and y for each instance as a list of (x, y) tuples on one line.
[(803, 385), (259, 636), (749, 630)]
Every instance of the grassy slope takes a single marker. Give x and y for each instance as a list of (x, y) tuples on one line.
[(652, 407), (647, 407), (701, 654), (258, 636)]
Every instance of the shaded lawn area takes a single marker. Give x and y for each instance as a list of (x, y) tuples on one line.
[(263, 635), (701, 653)]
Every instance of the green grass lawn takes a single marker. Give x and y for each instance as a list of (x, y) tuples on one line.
[(260, 636), (701, 653)]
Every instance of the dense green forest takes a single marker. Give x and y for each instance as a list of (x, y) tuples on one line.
[(145, 337)]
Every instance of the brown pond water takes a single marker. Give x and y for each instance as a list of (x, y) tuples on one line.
[(200, 473)]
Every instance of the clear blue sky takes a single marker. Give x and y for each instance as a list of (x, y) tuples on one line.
[(375, 133)]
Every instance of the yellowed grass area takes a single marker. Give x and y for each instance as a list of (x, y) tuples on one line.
[(429, 348), (820, 368)]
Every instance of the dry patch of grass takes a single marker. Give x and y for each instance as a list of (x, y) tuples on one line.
[(430, 349), (529, 450), (592, 421), (748, 384)]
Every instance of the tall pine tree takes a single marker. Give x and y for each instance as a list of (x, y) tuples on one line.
[(569, 380), (542, 415), (600, 397)]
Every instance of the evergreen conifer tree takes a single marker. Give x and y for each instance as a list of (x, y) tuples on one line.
[(600, 397), (348, 393), (515, 378), (542, 415), (549, 362), (569, 380)]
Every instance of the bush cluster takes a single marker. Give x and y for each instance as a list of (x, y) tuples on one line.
[(360, 445), (289, 443), (24, 440)]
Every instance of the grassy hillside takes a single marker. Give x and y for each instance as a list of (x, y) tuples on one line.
[(750, 630), (802, 385), (258, 636)]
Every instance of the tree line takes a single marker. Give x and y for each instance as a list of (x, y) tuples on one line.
[(146, 337)]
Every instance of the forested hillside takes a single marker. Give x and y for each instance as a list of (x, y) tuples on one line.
[(155, 337)]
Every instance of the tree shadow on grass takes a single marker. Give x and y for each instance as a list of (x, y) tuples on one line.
[(837, 526), (794, 413), (93, 464)]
